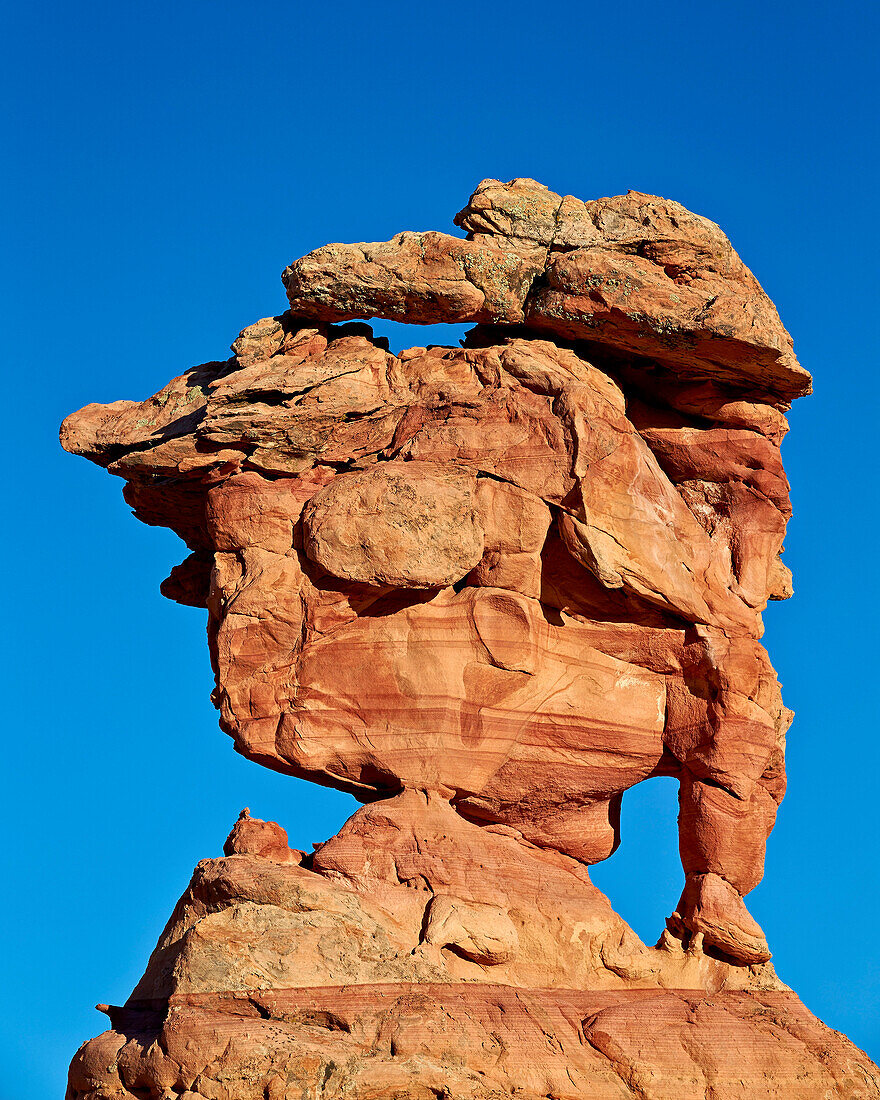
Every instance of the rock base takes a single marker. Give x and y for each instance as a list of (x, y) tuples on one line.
[(419, 955), (475, 1041)]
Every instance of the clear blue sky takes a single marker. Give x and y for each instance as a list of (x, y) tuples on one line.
[(162, 163)]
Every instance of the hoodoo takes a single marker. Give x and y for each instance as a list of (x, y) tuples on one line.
[(485, 589)]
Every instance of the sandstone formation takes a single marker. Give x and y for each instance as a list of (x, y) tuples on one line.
[(486, 590)]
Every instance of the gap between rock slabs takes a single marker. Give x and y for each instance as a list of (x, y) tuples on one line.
[(402, 336)]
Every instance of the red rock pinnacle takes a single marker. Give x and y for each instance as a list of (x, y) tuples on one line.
[(486, 590)]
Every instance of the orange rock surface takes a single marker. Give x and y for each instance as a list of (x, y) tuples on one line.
[(486, 590)]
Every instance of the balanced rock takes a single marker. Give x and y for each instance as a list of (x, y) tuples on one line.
[(486, 590)]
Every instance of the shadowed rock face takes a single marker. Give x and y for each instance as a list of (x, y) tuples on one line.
[(487, 590)]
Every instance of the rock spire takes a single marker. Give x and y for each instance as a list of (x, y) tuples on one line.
[(485, 589)]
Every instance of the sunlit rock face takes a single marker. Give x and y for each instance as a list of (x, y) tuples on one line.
[(487, 590)]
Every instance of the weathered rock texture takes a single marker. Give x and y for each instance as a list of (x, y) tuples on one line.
[(487, 590)]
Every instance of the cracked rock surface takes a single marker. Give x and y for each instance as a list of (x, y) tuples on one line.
[(486, 589)]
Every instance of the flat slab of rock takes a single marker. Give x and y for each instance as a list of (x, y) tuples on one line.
[(637, 273)]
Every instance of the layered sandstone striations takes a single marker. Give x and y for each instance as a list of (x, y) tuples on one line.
[(487, 590)]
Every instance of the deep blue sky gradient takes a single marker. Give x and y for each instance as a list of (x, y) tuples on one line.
[(162, 163)]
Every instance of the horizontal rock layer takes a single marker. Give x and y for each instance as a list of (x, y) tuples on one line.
[(428, 1041)]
